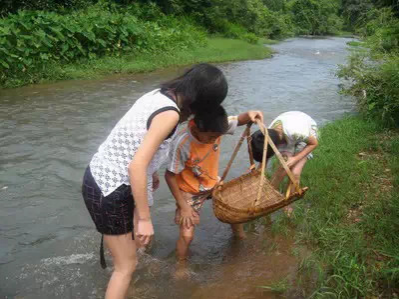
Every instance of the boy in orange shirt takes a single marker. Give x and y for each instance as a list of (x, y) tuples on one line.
[(193, 170)]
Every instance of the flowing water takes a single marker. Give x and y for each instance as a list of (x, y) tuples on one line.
[(48, 245)]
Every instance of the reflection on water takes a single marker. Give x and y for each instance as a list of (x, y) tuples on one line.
[(49, 132)]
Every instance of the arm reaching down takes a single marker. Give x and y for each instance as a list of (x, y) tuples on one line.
[(312, 143), (187, 212), (160, 128)]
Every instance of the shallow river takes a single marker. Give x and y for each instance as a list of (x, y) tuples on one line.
[(48, 133)]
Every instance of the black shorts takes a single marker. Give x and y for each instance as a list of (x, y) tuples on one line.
[(112, 214)]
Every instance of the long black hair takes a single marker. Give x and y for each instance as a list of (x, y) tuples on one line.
[(201, 87), (258, 141)]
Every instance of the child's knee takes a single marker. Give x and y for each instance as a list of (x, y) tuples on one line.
[(296, 171), (187, 239), (297, 174)]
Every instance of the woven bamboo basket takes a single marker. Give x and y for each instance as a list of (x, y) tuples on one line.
[(251, 195)]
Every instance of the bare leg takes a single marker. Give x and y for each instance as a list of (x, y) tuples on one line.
[(238, 231), (123, 251), (186, 236), (280, 173), (183, 243), (296, 171), (278, 177)]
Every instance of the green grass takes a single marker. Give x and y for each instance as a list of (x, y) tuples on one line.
[(216, 50), (350, 215), (345, 34), (355, 44), (278, 287)]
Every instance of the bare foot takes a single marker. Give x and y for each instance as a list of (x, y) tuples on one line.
[(182, 272)]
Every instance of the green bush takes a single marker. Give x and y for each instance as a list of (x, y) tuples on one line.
[(281, 26), (12, 6), (315, 17), (30, 40), (374, 73), (230, 30), (217, 16), (375, 85), (354, 13), (251, 38), (381, 31)]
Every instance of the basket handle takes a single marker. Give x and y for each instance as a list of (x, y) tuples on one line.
[(250, 153), (288, 191), (263, 167), (244, 135), (279, 157), (268, 140)]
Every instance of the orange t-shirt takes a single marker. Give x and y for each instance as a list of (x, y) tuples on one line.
[(196, 164)]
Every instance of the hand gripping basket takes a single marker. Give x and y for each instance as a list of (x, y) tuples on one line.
[(251, 195)]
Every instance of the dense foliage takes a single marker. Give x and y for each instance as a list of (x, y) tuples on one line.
[(12, 6), (35, 34), (373, 71), (272, 18), (316, 17), (30, 40)]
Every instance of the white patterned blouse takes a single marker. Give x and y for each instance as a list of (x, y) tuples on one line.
[(109, 166)]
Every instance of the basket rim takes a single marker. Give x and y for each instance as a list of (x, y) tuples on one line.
[(253, 172), (219, 188), (259, 210), (243, 218)]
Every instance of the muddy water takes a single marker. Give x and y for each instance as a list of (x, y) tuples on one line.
[(48, 246)]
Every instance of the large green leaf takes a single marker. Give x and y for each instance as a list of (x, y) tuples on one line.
[(4, 64)]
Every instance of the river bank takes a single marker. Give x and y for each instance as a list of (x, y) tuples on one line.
[(215, 49), (350, 216)]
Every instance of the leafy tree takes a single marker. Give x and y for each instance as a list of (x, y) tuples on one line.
[(355, 12), (275, 5), (315, 17), (12, 6)]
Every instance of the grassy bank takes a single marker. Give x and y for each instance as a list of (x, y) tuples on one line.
[(350, 216), (215, 50)]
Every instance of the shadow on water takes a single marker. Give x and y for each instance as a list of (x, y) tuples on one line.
[(49, 132)]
